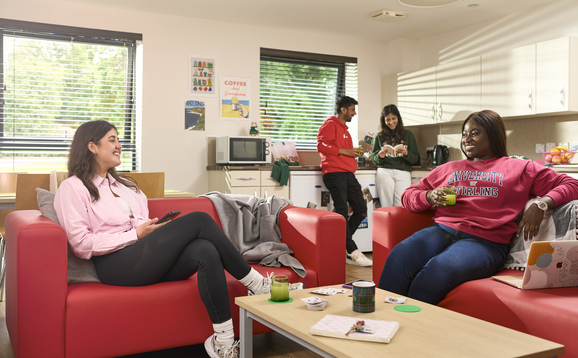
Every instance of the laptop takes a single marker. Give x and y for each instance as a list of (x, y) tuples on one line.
[(550, 264)]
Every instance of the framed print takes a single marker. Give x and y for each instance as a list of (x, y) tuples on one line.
[(235, 97), (202, 76)]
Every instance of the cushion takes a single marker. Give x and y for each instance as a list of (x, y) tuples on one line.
[(79, 270), (559, 224)]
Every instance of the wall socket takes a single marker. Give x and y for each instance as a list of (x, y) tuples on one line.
[(549, 146), (564, 144), (539, 148)]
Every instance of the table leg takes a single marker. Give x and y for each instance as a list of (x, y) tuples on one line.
[(245, 334)]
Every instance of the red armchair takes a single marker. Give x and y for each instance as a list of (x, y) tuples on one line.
[(48, 317), (548, 313)]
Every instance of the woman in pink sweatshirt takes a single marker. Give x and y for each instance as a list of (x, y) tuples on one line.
[(470, 240)]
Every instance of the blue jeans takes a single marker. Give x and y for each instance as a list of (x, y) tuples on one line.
[(437, 259)]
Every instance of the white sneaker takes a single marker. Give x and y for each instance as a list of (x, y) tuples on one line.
[(215, 350), (357, 258)]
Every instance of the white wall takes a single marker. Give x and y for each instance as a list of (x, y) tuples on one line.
[(168, 42)]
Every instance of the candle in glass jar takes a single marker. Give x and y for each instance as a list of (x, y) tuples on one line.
[(280, 288), (451, 199)]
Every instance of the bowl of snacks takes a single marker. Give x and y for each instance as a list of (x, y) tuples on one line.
[(558, 155)]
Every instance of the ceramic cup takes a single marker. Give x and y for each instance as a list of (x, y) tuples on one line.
[(279, 288), (364, 297)]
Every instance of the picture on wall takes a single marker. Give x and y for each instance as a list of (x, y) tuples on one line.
[(194, 115), (202, 76), (235, 97)]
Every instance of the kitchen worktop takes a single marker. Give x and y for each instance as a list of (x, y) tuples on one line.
[(264, 167)]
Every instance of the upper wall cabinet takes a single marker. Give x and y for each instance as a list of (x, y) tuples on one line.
[(509, 81), (534, 79), (445, 93), (458, 89), (556, 75), (416, 96)]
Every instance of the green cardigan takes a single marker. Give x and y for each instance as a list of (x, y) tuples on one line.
[(400, 163)]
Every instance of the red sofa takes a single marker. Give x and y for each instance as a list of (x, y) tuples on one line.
[(47, 317), (551, 314)]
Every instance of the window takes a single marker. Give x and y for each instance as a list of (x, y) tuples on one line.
[(54, 78), (298, 92)]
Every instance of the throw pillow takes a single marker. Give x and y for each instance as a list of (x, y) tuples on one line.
[(559, 224), (79, 270)]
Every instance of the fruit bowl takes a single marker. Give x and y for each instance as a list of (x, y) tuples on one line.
[(556, 157)]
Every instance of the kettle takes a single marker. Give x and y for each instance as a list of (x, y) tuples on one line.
[(440, 155)]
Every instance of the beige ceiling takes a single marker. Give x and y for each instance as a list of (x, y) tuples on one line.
[(340, 17)]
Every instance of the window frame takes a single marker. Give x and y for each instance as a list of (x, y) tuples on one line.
[(315, 59), (45, 31)]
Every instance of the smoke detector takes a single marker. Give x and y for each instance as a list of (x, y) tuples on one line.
[(388, 15)]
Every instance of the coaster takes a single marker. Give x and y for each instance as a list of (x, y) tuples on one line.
[(289, 300), (407, 308)]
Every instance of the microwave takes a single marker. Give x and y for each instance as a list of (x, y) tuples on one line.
[(243, 150)]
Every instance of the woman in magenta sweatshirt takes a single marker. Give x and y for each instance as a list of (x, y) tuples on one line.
[(470, 240)]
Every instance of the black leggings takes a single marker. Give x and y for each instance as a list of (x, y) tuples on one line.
[(189, 244)]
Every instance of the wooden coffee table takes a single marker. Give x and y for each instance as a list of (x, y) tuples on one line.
[(432, 332)]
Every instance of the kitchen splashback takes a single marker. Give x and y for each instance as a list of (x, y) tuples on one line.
[(523, 135)]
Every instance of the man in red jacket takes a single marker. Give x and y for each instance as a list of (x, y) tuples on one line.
[(338, 165)]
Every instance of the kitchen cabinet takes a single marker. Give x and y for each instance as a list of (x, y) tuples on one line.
[(444, 93), (458, 89), (416, 96), (509, 81), (540, 78), (247, 182), (557, 75)]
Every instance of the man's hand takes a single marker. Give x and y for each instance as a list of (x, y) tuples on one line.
[(352, 152)]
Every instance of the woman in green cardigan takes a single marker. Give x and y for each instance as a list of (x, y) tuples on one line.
[(394, 151)]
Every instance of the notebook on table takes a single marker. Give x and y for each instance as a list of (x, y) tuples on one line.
[(550, 264)]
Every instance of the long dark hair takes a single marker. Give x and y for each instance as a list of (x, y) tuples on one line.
[(81, 161), (391, 137), (495, 129)]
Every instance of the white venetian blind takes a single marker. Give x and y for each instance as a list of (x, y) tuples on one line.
[(298, 92), (53, 79)]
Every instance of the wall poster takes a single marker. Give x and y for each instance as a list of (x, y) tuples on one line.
[(194, 115), (235, 97), (202, 76)]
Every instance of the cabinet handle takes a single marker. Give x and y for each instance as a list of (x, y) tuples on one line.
[(245, 178), (433, 112), (266, 195), (562, 99), (530, 101), (256, 193), (440, 112)]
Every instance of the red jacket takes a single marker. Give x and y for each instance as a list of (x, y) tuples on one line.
[(333, 135)]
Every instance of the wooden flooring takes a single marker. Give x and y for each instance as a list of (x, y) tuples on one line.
[(271, 345)]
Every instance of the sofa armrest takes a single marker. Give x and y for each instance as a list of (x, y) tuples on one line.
[(317, 238), (36, 284), (391, 225)]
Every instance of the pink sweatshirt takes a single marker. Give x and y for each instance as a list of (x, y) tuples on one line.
[(333, 135), (490, 196), (101, 227)]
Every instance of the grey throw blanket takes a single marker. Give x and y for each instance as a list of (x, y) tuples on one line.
[(251, 224), (557, 225)]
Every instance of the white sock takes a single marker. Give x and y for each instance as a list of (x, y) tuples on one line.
[(224, 332), (253, 281)]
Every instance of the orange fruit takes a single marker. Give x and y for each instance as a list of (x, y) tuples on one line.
[(554, 151)]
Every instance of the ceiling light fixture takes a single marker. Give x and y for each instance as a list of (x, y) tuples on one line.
[(427, 3), (388, 15)]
